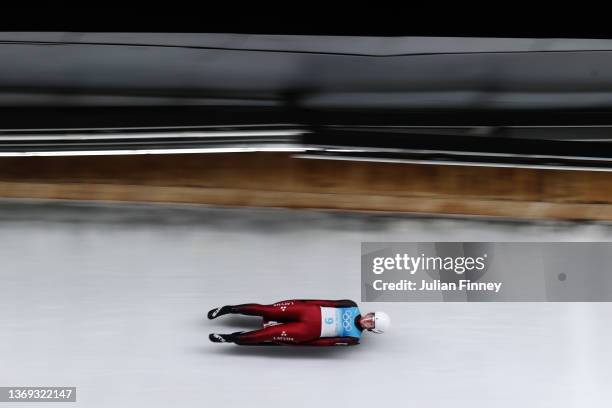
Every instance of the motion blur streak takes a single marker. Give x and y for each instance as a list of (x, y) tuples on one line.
[(111, 299)]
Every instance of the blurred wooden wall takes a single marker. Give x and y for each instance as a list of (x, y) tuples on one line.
[(279, 180)]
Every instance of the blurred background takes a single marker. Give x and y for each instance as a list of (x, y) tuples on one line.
[(504, 127)]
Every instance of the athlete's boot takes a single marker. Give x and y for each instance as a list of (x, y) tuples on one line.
[(223, 338), (219, 311)]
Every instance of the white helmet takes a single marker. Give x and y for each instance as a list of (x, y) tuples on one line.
[(382, 322)]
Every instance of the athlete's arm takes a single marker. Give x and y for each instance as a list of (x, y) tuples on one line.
[(331, 303), (333, 341)]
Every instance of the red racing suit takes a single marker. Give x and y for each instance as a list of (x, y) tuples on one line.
[(302, 322)]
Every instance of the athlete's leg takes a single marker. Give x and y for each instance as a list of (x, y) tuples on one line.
[(249, 309), (286, 333), (286, 310)]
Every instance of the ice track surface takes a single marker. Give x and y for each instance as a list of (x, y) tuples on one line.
[(111, 298)]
